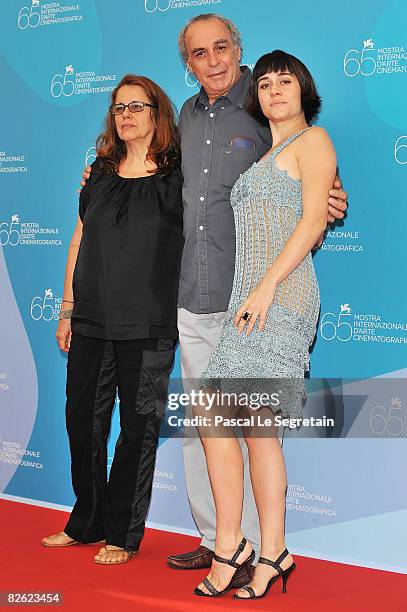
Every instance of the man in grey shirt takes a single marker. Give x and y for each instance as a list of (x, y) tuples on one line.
[(219, 141)]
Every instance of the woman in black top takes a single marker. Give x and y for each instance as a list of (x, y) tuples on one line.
[(118, 318)]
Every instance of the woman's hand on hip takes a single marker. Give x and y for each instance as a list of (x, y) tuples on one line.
[(257, 306), (64, 335)]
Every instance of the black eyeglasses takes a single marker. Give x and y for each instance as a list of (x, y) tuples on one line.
[(134, 107)]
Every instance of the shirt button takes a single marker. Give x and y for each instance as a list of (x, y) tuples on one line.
[(211, 114), (201, 227), (202, 198), (208, 142), (206, 170)]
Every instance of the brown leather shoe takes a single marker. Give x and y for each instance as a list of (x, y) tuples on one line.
[(201, 558)]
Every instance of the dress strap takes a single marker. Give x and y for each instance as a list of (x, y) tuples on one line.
[(287, 141)]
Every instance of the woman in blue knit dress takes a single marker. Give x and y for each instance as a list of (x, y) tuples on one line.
[(280, 209)]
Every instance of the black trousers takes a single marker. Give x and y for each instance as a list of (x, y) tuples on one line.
[(114, 509)]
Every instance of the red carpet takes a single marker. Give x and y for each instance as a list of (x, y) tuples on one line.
[(146, 583)]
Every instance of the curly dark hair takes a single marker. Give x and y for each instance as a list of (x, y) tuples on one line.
[(280, 61), (164, 148)]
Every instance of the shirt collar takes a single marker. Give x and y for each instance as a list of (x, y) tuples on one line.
[(237, 95)]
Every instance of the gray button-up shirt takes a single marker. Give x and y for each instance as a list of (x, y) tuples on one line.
[(219, 142)]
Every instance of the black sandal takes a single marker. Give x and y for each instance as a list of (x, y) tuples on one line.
[(283, 573), (241, 569)]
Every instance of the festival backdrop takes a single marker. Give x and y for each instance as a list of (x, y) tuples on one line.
[(347, 498)]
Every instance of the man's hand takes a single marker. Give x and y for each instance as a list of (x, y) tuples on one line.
[(337, 202), (86, 175), (337, 205)]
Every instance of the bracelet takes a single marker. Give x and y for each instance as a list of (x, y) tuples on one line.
[(69, 301), (65, 314)]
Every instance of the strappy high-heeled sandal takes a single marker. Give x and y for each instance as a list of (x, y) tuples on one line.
[(284, 574), (241, 569)]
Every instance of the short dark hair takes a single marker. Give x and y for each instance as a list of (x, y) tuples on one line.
[(280, 61)]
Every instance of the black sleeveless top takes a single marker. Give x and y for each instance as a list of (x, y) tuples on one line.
[(125, 282)]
